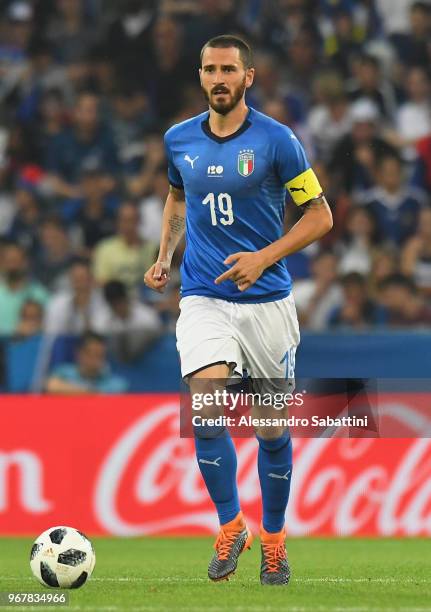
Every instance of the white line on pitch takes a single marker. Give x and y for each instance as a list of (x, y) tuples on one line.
[(299, 579), (232, 609)]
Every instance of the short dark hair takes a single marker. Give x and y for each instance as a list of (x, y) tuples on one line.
[(352, 278), (115, 291), (78, 260), (229, 40), (322, 253), (398, 280), (369, 60), (388, 156), (88, 337), (31, 302)]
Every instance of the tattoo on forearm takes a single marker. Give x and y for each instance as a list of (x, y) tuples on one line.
[(178, 194), (314, 203), (176, 224)]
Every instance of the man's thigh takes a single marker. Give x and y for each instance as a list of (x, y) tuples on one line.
[(268, 335), (205, 336)]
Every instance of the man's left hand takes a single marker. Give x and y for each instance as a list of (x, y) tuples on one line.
[(245, 272)]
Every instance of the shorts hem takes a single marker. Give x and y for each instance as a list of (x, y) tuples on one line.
[(185, 377)]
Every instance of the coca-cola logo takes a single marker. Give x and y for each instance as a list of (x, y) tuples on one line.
[(344, 486), (138, 476), (183, 477), (29, 471)]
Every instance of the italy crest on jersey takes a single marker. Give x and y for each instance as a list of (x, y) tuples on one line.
[(246, 162)]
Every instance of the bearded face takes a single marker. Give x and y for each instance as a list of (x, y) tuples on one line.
[(224, 78), (223, 99)]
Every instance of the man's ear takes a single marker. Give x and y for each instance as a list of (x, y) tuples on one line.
[(249, 77)]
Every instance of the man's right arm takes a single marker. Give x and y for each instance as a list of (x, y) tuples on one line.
[(57, 385), (173, 226)]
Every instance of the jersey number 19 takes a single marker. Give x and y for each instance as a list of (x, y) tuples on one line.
[(224, 203)]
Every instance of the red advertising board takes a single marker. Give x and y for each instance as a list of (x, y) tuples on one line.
[(117, 465)]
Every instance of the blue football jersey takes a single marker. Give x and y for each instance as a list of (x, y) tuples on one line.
[(235, 199)]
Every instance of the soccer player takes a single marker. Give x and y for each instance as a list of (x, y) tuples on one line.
[(228, 172)]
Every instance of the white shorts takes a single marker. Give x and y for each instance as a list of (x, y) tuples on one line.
[(261, 338)]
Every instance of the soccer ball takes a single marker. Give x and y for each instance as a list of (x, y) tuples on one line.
[(62, 557)]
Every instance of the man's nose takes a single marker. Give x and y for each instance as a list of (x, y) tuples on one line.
[(218, 78)]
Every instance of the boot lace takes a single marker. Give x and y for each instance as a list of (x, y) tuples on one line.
[(223, 545), (273, 554)]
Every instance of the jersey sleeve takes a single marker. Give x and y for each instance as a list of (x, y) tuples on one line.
[(294, 168), (174, 175)]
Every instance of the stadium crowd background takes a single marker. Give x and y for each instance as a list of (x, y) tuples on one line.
[(87, 88)]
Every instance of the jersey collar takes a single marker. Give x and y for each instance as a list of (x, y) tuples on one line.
[(205, 125)]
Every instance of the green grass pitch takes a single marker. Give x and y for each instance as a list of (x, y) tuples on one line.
[(146, 574)]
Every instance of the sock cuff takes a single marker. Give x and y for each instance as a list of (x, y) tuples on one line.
[(274, 444)]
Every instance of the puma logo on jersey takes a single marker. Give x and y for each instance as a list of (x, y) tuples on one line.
[(191, 161), (215, 462), (293, 189), (282, 476)]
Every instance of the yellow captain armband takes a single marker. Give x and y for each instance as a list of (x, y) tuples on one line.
[(304, 187)]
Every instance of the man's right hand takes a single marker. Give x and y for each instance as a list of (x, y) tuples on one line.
[(157, 277)]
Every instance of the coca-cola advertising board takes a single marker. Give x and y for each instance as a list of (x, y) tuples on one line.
[(117, 465)]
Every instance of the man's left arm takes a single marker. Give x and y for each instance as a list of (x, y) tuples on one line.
[(315, 222), (291, 165)]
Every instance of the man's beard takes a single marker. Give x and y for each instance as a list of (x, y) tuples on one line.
[(223, 108)]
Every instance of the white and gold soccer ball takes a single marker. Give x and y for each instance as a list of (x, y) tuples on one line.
[(62, 557)]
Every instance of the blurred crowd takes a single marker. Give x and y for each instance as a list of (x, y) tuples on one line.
[(87, 89)]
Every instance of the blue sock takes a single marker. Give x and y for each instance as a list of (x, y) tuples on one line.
[(274, 463), (217, 462)]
